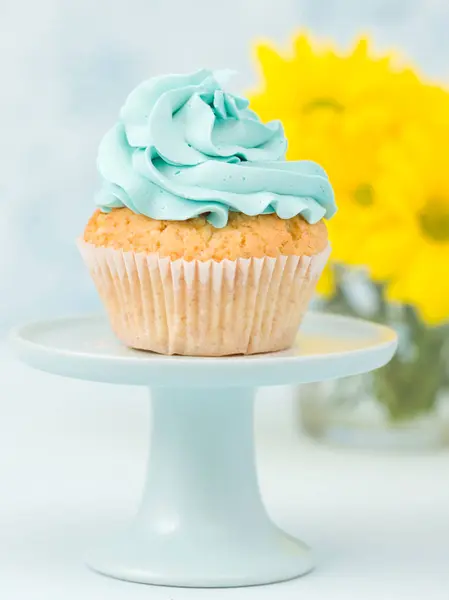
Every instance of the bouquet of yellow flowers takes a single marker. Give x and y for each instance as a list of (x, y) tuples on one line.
[(381, 131)]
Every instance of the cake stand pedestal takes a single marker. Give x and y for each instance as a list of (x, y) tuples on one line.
[(201, 522)]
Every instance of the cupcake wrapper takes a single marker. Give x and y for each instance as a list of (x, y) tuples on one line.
[(206, 308)]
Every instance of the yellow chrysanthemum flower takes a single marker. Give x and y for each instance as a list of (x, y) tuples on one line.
[(358, 171), (410, 241), (344, 111), (314, 90), (324, 99)]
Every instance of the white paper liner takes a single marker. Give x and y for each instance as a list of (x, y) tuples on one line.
[(206, 308)]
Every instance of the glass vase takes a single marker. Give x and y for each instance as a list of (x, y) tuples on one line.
[(342, 413), (402, 406)]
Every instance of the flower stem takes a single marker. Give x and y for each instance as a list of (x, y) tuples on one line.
[(409, 385)]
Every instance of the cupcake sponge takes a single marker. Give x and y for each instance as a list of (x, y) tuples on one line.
[(196, 239)]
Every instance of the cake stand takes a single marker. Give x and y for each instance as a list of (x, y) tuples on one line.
[(201, 522)]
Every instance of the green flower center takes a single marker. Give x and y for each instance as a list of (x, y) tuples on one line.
[(434, 219), (323, 103), (364, 194)]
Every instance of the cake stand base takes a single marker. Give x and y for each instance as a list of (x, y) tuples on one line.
[(201, 522)]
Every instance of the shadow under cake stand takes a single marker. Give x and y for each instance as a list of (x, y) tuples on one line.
[(201, 521)]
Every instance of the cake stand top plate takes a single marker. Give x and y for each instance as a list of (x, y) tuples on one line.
[(327, 347)]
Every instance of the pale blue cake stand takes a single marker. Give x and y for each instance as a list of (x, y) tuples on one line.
[(201, 522)]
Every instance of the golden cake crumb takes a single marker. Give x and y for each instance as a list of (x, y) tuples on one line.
[(196, 239)]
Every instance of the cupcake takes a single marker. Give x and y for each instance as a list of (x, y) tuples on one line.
[(206, 241)]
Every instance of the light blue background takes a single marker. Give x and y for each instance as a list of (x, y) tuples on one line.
[(66, 67)]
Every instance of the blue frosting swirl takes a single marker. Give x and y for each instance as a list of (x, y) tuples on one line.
[(183, 147)]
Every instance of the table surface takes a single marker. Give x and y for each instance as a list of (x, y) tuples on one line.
[(379, 523)]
